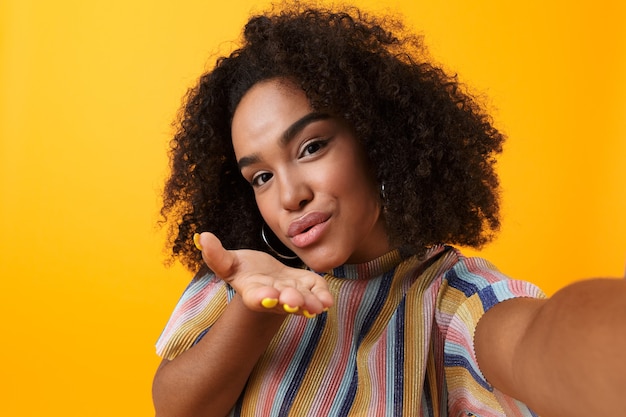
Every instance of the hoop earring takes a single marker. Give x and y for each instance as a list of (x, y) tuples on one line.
[(280, 255)]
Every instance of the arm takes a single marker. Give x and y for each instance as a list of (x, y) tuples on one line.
[(565, 356), (207, 379)]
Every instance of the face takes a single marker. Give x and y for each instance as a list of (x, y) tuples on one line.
[(310, 178)]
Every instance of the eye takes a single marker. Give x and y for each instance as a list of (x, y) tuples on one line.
[(260, 179), (313, 147)]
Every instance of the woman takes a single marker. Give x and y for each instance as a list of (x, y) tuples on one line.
[(329, 143)]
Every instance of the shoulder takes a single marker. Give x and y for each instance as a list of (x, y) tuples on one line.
[(470, 288), (201, 303), (475, 277)]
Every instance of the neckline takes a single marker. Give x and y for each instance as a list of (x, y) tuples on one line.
[(370, 269)]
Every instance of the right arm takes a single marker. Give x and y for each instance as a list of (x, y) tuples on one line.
[(207, 379)]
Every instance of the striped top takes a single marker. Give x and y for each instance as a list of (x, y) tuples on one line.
[(397, 342)]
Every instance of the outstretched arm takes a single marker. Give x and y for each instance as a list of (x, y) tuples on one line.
[(207, 379), (565, 356)]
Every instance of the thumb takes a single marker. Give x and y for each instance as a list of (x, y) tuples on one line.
[(218, 259)]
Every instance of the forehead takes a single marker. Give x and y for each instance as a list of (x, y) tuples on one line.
[(266, 111)]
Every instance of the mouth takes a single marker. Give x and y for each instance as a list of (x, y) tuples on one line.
[(307, 229)]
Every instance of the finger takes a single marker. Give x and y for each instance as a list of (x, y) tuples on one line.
[(291, 299), (312, 305), (308, 295), (324, 296), (261, 298), (218, 259)]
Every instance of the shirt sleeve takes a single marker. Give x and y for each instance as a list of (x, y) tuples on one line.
[(201, 304), (469, 289)]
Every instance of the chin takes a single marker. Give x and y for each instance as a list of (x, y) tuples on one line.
[(321, 262)]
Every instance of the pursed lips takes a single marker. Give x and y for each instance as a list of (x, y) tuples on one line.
[(306, 222)]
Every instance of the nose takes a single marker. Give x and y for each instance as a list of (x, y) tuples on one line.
[(295, 191)]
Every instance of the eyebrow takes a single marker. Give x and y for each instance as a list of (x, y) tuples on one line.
[(288, 135)]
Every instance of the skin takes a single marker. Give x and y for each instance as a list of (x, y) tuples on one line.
[(316, 172), (562, 356)]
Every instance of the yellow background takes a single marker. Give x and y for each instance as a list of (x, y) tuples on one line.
[(88, 90)]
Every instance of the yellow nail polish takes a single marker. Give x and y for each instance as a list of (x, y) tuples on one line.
[(290, 309), (308, 315), (196, 241), (269, 302)]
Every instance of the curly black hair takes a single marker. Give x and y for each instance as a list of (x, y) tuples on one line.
[(428, 140)]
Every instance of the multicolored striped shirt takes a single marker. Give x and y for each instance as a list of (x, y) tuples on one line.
[(397, 342)]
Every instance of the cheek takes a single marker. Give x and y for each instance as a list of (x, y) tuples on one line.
[(267, 208), (359, 197), (359, 180), (261, 203)]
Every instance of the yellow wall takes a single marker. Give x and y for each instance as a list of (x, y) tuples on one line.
[(88, 91)]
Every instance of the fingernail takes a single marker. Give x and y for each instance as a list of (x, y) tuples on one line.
[(308, 315), (269, 302), (196, 241), (290, 309)]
